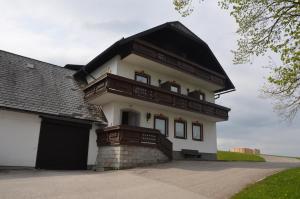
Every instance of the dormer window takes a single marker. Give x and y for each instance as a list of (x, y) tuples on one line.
[(171, 86), (142, 77)]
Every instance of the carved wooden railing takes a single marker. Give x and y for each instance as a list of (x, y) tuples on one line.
[(138, 136), (131, 88)]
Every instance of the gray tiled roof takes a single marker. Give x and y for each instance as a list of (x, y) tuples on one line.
[(43, 88)]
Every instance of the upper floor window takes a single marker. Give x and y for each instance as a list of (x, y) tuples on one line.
[(201, 96), (197, 94), (180, 129), (161, 124), (197, 131), (174, 89), (171, 86), (142, 77)]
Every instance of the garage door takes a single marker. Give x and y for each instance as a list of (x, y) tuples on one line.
[(62, 145)]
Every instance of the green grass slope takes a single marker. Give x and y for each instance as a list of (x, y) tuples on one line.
[(283, 185), (232, 156)]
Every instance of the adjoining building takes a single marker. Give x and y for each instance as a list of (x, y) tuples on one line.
[(147, 98), (245, 150)]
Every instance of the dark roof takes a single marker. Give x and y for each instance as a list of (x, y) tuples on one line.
[(75, 67), (34, 86), (170, 36)]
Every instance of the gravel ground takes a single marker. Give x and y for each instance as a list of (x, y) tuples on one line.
[(178, 179)]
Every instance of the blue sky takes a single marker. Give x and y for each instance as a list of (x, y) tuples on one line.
[(62, 32)]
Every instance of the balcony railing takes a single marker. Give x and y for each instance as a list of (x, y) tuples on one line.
[(159, 55), (137, 90), (137, 136)]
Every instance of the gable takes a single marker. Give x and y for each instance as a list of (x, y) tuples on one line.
[(172, 37)]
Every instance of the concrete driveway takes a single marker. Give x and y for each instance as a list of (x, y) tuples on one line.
[(179, 179)]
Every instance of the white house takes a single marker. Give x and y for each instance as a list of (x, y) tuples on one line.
[(148, 98)]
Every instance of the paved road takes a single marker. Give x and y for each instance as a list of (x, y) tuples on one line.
[(179, 179)]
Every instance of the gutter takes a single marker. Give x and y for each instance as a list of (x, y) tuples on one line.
[(217, 95)]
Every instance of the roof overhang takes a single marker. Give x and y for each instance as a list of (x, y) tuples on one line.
[(173, 38)]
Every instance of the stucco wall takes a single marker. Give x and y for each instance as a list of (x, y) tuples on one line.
[(19, 135), (93, 148), (108, 67), (209, 145), (126, 69), (119, 67)]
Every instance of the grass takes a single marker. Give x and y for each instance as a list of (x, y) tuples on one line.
[(283, 185), (232, 156)]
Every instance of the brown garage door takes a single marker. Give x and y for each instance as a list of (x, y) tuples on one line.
[(63, 145)]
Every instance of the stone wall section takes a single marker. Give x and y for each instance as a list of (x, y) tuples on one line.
[(122, 157)]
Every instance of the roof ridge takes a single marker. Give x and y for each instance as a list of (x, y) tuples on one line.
[(15, 54)]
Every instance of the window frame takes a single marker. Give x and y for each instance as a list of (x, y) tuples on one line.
[(168, 84), (175, 85), (201, 131), (185, 128), (166, 123), (203, 94), (142, 74), (196, 94)]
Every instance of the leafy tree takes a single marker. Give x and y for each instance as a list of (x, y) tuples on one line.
[(267, 25)]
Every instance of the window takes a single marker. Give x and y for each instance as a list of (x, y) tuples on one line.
[(161, 124), (142, 77), (174, 89), (197, 95), (171, 86), (201, 96), (180, 129), (197, 131), (130, 118)]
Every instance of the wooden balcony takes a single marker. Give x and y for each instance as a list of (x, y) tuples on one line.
[(137, 136), (149, 51), (137, 90)]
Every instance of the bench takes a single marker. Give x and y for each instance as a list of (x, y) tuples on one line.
[(187, 153)]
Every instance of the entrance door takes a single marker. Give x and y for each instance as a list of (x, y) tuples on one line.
[(63, 145), (130, 118)]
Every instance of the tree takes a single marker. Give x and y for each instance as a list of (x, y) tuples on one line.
[(267, 25)]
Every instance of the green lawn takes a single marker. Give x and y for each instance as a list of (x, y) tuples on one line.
[(232, 156), (283, 185)]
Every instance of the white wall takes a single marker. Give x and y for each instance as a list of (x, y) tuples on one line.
[(209, 145), (127, 70), (19, 136), (109, 67), (93, 149), (123, 68)]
